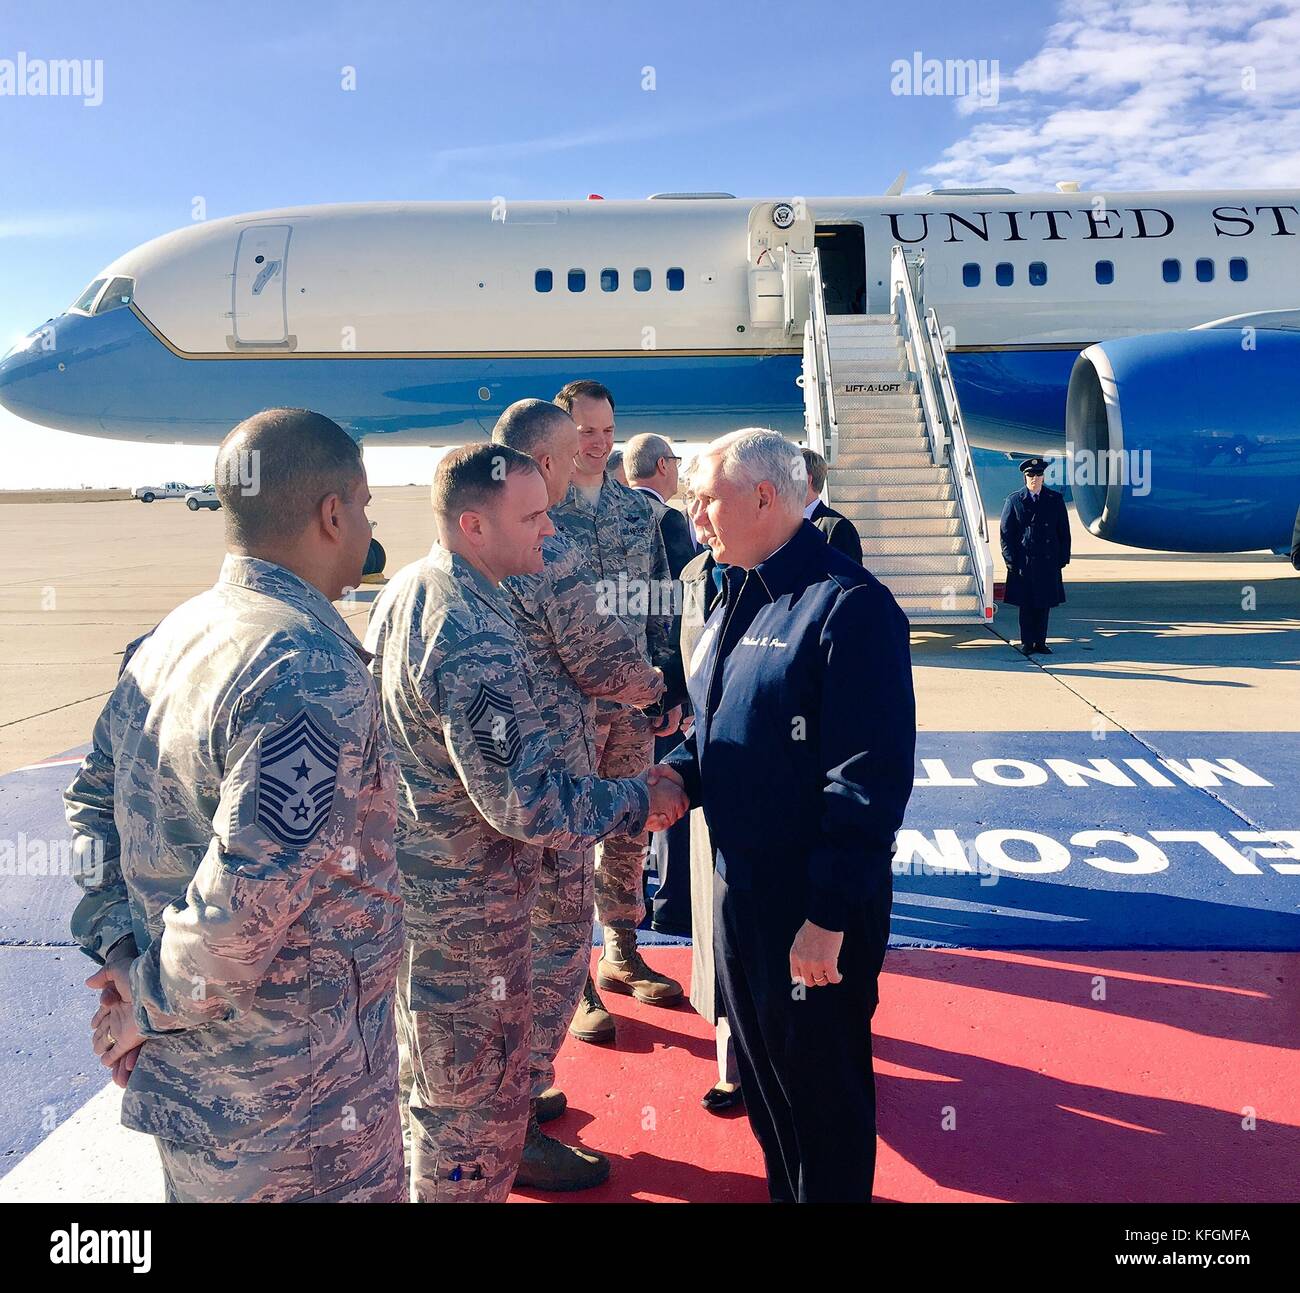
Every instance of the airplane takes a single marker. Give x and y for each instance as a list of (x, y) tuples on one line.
[(1155, 324)]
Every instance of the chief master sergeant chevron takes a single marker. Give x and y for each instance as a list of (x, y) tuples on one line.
[(482, 788), (801, 684), (242, 788)]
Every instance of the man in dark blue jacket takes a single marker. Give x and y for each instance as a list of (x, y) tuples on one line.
[(802, 758), (1035, 532)]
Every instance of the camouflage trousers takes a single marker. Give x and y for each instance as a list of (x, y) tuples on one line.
[(561, 961), (625, 746), (366, 1168), (465, 1087), (561, 942)]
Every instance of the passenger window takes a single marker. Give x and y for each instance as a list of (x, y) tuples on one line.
[(1105, 272), (641, 280), (676, 279), (577, 280), (1237, 269), (1004, 274), (543, 280), (609, 280), (1037, 273), (1172, 270), (1205, 271), (970, 274)]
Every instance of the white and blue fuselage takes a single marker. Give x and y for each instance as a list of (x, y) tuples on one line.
[(417, 323)]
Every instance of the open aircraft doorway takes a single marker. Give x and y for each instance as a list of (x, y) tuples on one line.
[(843, 252)]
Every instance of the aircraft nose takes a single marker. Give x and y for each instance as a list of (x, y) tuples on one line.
[(27, 372)]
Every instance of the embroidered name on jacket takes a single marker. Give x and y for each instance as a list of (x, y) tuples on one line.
[(764, 641)]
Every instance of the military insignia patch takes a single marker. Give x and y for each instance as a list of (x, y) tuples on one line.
[(492, 720), (297, 771)]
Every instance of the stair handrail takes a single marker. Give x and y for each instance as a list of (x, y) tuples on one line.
[(902, 298), (828, 428), (961, 468)]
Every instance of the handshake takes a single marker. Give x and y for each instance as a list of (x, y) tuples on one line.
[(668, 802)]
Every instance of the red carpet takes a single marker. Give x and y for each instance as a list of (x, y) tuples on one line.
[(999, 1077)]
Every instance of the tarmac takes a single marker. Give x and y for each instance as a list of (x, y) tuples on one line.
[(1083, 793)]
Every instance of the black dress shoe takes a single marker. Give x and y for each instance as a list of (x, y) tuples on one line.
[(1043, 649), (1027, 650), (716, 1100)]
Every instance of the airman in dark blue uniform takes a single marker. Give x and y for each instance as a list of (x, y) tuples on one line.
[(1036, 547)]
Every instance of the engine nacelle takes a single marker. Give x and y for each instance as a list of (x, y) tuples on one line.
[(1189, 440)]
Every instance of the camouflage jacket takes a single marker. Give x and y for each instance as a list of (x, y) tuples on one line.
[(622, 542), (578, 652), (481, 785), (241, 788)]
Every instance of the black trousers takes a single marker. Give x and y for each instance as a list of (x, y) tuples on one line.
[(1033, 625), (670, 851), (804, 1055)]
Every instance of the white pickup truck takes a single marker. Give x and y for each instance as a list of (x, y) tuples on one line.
[(172, 489)]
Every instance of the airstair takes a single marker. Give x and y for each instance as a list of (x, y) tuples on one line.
[(880, 406)]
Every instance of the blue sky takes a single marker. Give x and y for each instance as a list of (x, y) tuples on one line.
[(241, 105)]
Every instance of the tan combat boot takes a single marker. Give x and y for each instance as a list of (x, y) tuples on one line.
[(550, 1164), (621, 969), (592, 1023)]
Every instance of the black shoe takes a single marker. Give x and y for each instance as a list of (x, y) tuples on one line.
[(1043, 649), (1027, 650), (716, 1100)]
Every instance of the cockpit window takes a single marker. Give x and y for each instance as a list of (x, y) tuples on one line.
[(116, 295), (87, 298)]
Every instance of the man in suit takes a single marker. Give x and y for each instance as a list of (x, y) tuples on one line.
[(840, 532), (801, 756), (653, 469), (1036, 547)]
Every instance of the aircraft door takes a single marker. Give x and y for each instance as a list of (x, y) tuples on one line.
[(259, 308), (780, 237)]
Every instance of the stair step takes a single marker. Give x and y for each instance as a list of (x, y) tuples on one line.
[(917, 493), (966, 610), (838, 321), (862, 415), (877, 528), (935, 587), (884, 369), (921, 563), (897, 401), (859, 457), (866, 350), (843, 478), (889, 542), (895, 511)]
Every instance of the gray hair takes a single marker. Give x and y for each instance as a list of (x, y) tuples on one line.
[(641, 458), (755, 454)]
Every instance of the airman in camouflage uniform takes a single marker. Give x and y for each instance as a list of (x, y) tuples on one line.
[(241, 794), (620, 538), (579, 651), (481, 789)]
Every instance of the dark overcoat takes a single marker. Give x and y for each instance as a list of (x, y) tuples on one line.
[(1036, 547)]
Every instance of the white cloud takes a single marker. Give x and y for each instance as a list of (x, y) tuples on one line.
[(1132, 95)]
